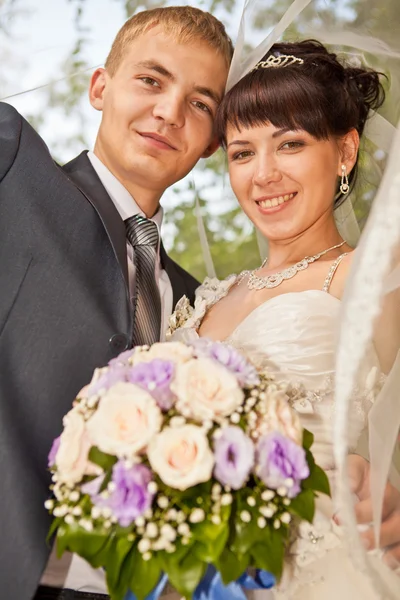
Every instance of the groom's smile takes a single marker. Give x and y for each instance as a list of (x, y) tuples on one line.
[(158, 110)]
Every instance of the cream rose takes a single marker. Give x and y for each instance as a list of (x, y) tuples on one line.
[(174, 351), (126, 419), (72, 455), (181, 456), (278, 415), (206, 390)]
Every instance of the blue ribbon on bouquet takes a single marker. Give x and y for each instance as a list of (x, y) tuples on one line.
[(211, 587)]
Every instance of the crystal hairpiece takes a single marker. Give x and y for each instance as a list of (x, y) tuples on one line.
[(282, 60)]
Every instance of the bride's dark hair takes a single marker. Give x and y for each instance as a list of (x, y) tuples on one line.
[(322, 96)]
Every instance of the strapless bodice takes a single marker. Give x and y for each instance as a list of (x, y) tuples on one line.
[(293, 336)]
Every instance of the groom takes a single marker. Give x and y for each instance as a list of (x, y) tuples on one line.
[(83, 274)]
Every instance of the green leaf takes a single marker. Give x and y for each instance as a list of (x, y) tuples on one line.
[(53, 528), (318, 481), (304, 505), (269, 554), (185, 574), (145, 576), (308, 439), (76, 539), (119, 586), (210, 540), (117, 551), (103, 460), (246, 534), (231, 566)]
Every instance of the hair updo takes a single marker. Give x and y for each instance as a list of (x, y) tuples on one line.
[(321, 96)]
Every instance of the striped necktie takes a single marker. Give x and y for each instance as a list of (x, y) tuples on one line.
[(143, 236)]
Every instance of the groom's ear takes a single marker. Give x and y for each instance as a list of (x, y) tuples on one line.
[(96, 88), (211, 148)]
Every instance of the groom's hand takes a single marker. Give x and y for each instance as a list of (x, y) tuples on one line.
[(359, 472)]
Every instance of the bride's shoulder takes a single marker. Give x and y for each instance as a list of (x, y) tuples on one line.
[(339, 273), (206, 295), (212, 289)]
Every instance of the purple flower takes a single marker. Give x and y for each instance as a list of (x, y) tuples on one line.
[(228, 356), (131, 497), (51, 460), (155, 376), (122, 359), (234, 457), (280, 459), (113, 375)]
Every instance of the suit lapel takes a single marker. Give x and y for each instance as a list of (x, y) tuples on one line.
[(85, 178), (176, 279)]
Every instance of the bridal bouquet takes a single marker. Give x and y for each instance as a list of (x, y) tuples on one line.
[(182, 463)]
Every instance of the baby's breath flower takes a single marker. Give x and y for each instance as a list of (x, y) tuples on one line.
[(144, 545), (184, 529), (151, 530), (245, 516), (197, 515), (162, 502), (74, 496), (168, 532), (226, 499), (152, 487), (267, 495), (261, 522), (146, 556)]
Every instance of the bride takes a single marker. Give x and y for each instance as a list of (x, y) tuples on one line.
[(291, 129)]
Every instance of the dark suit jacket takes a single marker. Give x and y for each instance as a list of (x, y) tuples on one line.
[(64, 310)]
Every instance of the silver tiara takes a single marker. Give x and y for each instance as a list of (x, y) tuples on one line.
[(282, 60)]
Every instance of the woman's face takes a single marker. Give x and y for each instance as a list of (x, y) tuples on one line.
[(285, 181)]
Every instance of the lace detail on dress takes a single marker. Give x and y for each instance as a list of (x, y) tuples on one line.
[(208, 294)]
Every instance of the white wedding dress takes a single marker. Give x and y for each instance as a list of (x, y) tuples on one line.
[(293, 335)]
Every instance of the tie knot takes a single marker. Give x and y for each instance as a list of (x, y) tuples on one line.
[(141, 231)]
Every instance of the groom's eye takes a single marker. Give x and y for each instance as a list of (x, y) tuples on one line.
[(149, 81), (201, 106)]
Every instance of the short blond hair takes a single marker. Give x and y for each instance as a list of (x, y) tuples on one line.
[(186, 23)]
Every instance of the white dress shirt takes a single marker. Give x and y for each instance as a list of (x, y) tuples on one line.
[(72, 571), (127, 207)]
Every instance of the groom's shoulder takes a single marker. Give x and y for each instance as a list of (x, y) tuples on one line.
[(190, 279), (10, 134)]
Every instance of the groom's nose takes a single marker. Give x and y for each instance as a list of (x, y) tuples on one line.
[(171, 109)]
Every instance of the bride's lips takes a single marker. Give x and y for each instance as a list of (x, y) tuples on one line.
[(271, 204), (156, 140)]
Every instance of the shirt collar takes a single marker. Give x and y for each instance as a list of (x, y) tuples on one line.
[(123, 201)]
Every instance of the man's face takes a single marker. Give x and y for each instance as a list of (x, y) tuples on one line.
[(158, 109)]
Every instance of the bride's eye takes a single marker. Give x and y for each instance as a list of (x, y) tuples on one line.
[(241, 155), (292, 145)]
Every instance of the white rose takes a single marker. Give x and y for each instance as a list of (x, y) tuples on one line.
[(126, 419), (173, 351), (72, 455), (181, 456), (206, 390), (278, 415)]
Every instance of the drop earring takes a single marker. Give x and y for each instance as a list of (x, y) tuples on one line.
[(344, 186)]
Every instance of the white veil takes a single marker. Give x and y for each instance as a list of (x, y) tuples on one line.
[(347, 32), (371, 305)]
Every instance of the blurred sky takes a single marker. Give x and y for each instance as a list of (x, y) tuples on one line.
[(42, 36)]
